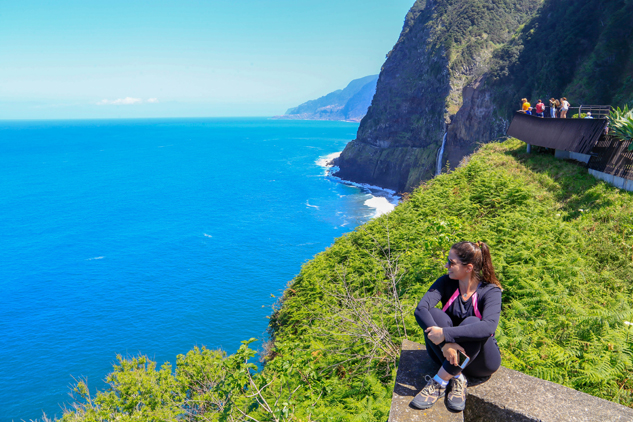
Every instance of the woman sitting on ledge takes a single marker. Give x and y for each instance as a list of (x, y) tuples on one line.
[(471, 304)]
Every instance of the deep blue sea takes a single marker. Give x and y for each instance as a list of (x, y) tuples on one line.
[(153, 236)]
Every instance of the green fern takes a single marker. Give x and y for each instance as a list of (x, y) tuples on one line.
[(621, 123)]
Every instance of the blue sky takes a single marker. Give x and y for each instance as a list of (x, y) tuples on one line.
[(91, 59)]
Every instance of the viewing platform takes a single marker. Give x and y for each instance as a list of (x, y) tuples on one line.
[(509, 396), (577, 136), (584, 140)]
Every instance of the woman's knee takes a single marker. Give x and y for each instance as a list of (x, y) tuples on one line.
[(470, 320), (441, 318), (487, 362), (480, 369)]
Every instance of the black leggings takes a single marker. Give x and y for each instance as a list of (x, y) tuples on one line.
[(485, 358)]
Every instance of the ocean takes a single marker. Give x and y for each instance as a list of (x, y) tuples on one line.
[(153, 236)]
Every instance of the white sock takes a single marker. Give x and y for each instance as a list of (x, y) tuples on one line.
[(461, 377), (440, 381)]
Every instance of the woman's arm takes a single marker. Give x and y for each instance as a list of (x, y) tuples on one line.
[(491, 304), (430, 299)]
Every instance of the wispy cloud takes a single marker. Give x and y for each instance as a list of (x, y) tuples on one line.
[(152, 100), (121, 101)]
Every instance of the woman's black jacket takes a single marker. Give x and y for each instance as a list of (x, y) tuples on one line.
[(489, 304)]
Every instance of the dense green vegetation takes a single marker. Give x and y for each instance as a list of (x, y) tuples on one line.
[(469, 32), (461, 67), (536, 49), (580, 49), (445, 45), (562, 245)]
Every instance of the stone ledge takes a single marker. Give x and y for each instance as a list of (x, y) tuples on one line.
[(508, 396), (414, 364), (513, 396)]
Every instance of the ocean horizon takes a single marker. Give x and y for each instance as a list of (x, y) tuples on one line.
[(152, 236)]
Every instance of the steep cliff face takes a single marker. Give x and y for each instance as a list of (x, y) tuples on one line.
[(475, 121), (443, 46), (405, 122), (580, 49), (460, 68)]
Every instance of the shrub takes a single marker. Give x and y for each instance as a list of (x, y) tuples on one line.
[(621, 123)]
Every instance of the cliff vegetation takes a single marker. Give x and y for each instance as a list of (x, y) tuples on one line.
[(460, 68), (562, 245), (580, 49)]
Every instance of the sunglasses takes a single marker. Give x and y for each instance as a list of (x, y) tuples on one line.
[(451, 263)]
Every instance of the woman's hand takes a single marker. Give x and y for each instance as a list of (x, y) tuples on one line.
[(435, 334), (450, 352)]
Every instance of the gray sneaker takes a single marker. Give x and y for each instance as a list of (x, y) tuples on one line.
[(431, 393), (456, 398)]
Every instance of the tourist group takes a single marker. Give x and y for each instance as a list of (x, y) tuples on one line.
[(556, 109)]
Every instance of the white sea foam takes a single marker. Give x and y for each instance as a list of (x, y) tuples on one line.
[(380, 204), (381, 199), (387, 192), (96, 257), (311, 206), (325, 160), (207, 235)]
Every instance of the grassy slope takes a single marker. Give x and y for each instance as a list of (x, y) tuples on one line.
[(562, 244)]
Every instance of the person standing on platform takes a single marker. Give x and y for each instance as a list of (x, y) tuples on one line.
[(564, 107), (525, 106), (540, 109), (552, 108)]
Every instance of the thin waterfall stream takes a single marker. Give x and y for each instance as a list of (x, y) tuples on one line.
[(438, 171)]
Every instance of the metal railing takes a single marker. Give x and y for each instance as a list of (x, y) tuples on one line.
[(597, 111)]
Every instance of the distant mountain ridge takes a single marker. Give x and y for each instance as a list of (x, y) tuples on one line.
[(350, 103)]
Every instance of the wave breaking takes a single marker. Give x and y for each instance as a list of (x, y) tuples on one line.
[(382, 200)]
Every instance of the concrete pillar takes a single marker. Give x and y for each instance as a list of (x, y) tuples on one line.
[(561, 154)]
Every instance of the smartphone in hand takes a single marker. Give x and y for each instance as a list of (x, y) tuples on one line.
[(462, 359)]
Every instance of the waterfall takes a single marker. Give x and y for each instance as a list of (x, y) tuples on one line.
[(439, 156)]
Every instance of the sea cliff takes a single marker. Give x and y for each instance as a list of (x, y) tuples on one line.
[(460, 67)]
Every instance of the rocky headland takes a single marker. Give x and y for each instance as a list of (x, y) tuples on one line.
[(348, 104)]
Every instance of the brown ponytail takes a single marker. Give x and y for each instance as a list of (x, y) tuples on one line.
[(477, 254)]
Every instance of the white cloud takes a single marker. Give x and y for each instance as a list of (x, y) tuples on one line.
[(121, 101), (152, 100)]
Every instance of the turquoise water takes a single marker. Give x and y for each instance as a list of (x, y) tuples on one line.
[(152, 236)]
